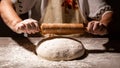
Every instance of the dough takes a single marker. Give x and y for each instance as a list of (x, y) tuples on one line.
[(60, 49)]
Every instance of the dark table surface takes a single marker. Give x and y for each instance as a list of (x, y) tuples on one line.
[(20, 53)]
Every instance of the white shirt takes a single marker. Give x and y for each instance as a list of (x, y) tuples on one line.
[(89, 8)]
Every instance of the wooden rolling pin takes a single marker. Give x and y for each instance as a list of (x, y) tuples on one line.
[(62, 28)]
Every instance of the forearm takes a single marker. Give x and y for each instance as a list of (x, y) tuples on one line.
[(8, 13), (106, 18)]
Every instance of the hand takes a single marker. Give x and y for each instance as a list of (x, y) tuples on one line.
[(96, 28), (28, 26)]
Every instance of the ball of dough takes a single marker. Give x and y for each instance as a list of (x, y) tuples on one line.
[(60, 49)]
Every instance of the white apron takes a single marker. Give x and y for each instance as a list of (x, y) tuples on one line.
[(56, 13)]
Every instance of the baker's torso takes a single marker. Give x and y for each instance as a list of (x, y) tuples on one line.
[(87, 8)]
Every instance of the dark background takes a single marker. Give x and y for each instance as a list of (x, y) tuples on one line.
[(114, 27)]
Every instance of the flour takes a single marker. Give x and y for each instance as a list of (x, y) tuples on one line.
[(60, 49)]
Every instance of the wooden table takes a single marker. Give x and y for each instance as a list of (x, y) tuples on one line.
[(20, 53)]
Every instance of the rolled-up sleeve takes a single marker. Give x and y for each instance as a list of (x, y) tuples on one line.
[(23, 6), (96, 8)]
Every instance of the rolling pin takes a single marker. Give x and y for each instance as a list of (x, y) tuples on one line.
[(62, 28)]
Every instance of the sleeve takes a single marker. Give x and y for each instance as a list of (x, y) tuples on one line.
[(23, 6), (96, 8), (13, 1)]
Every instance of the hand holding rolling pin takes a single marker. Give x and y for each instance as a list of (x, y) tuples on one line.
[(96, 28), (28, 26)]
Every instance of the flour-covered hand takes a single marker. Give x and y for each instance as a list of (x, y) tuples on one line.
[(29, 26)]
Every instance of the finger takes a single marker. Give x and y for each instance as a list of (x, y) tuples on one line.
[(96, 26), (21, 28), (31, 28), (90, 27), (24, 28), (36, 25), (35, 29), (103, 29), (28, 26), (18, 30)]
